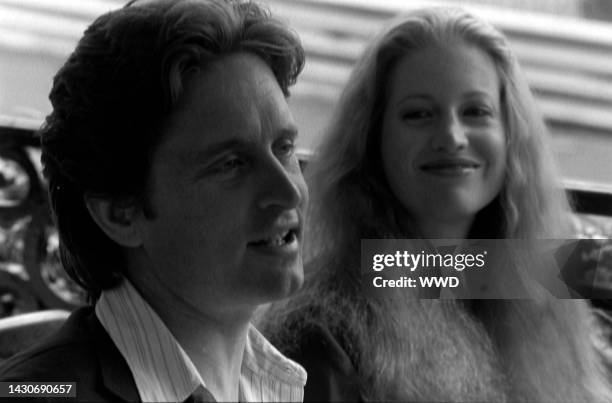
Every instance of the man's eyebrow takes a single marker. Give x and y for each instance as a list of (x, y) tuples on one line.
[(198, 156), (289, 131)]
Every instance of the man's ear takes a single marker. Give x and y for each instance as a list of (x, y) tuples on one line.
[(118, 220)]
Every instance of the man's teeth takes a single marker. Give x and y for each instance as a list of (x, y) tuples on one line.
[(278, 240)]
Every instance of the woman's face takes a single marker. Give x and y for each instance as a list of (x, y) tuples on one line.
[(443, 143)]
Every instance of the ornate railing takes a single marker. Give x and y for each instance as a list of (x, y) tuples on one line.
[(31, 277)]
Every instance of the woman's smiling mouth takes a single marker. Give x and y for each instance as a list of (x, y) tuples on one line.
[(450, 167)]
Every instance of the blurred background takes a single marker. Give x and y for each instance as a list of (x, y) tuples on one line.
[(565, 47)]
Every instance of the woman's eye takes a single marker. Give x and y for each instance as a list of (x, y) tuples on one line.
[(417, 114), (478, 111)]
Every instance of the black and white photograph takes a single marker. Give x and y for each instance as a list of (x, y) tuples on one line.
[(306, 201)]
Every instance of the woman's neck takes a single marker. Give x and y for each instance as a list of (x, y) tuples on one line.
[(459, 229), (439, 229), (432, 228)]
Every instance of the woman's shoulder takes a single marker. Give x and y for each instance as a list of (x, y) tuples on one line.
[(331, 373)]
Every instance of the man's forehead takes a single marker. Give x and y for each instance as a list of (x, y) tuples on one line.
[(233, 77), (236, 96)]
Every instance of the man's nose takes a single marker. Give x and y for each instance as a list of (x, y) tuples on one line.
[(450, 135), (281, 187)]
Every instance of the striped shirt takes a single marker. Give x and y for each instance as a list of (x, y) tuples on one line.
[(163, 372)]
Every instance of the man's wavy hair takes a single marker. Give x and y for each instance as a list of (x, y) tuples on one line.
[(350, 196), (110, 100)]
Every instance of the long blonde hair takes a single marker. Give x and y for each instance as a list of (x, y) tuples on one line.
[(351, 200), (345, 177)]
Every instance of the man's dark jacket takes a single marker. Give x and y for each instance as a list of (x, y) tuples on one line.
[(82, 352)]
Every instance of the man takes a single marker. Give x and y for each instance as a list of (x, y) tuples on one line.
[(178, 197)]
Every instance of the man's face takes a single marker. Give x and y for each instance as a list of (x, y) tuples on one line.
[(227, 192)]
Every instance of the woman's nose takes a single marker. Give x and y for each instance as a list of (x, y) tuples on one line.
[(451, 135)]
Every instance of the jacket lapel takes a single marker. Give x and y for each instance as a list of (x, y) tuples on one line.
[(116, 375)]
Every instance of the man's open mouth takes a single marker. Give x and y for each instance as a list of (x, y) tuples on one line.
[(283, 238)]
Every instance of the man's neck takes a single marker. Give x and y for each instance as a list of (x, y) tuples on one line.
[(214, 341), (217, 354)]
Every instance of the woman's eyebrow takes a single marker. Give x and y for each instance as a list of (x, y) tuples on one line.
[(414, 97), (477, 94)]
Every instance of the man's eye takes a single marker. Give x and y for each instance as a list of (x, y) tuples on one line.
[(285, 148), (229, 165)]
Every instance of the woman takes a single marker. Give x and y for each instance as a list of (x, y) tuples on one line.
[(436, 136)]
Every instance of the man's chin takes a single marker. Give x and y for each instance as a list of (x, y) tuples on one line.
[(292, 282), (296, 282), (280, 283)]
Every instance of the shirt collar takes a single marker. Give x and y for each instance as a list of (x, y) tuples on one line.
[(163, 371)]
